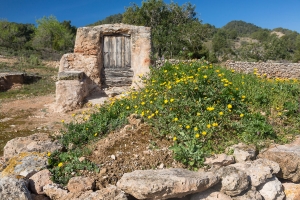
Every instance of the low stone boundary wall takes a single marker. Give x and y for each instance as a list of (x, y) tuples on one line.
[(10, 79), (280, 70)]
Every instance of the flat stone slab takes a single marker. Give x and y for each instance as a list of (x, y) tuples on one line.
[(70, 75), (166, 183)]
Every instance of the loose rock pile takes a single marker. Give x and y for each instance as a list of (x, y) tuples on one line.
[(273, 174)]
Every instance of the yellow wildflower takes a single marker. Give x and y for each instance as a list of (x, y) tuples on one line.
[(205, 76), (166, 101), (195, 129), (175, 119), (174, 138), (242, 115), (215, 124), (197, 135), (171, 100), (210, 108), (208, 126), (62, 121), (95, 134), (198, 114), (229, 106), (143, 103), (49, 154), (204, 133), (187, 127), (221, 113), (60, 164), (127, 108)]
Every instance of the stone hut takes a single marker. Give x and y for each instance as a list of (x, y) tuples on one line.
[(105, 56)]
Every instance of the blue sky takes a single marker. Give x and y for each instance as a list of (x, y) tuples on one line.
[(264, 13)]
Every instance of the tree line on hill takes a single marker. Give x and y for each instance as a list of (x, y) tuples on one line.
[(48, 38), (176, 33)]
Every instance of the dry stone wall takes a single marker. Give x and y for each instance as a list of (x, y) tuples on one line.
[(271, 69)]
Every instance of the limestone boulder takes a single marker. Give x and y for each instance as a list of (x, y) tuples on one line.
[(70, 94), (165, 183), (258, 171), (291, 191), (219, 160), (39, 180), (288, 158), (233, 181), (12, 188), (210, 194), (80, 184), (272, 189), (109, 193), (243, 152), (25, 164), (39, 142), (54, 191), (251, 194), (39, 197)]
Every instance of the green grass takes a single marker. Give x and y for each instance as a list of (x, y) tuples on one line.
[(200, 107)]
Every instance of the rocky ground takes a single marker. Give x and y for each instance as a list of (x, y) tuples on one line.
[(131, 148)]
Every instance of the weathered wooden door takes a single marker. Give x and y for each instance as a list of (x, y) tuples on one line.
[(117, 60)]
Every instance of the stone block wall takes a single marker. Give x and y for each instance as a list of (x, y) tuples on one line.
[(88, 58), (271, 69), (87, 55)]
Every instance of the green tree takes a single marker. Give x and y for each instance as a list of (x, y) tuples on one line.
[(51, 34), (168, 23), (296, 57), (15, 35), (222, 46)]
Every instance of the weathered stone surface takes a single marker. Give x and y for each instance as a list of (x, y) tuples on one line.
[(272, 189), (39, 180), (70, 94), (71, 75), (39, 142), (55, 192), (291, 191), (109, 193), (288, 158), (271, 69), (13, 189), (25, 164), (243, 152), (166, 183), (39, 197), (233, 181), (80, 184), (89, 64), (7, 80), (250, 194), (210, 194), (258, 170), (220, 160)]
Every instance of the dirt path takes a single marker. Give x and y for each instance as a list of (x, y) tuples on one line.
[(31, 115)]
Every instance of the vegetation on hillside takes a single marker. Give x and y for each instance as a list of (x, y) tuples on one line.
[(202, 108), (176, 33), (49, 40)]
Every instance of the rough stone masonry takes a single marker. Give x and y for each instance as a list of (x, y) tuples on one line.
[(104, 56)]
